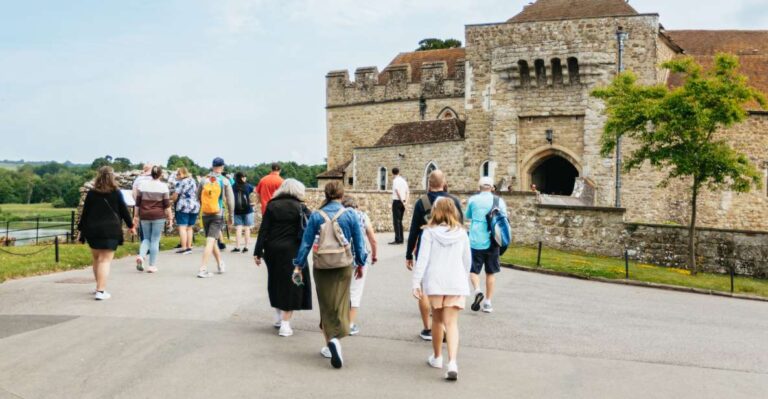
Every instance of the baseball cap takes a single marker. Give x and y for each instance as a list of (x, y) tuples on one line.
[(218, 162), (485, 181)]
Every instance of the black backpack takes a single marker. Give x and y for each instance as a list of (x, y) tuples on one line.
[(242, 202)]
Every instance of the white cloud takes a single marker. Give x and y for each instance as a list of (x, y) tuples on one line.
[(239, 16)]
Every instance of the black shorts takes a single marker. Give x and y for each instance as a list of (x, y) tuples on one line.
[(103, 243), (488, 257)]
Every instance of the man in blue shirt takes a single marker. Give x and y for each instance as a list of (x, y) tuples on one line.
[(484, 251)]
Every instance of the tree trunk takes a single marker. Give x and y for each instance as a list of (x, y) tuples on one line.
[(692, 231)]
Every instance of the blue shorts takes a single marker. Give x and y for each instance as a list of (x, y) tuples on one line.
[(186, 219), (244, 220), (486, 257)]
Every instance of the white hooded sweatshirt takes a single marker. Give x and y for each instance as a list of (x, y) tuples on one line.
[(444, 262)]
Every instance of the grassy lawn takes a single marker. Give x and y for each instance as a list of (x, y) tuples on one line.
[(74, 256), (31, 211), (613, 268)]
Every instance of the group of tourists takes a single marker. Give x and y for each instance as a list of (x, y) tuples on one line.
[(444, 258)]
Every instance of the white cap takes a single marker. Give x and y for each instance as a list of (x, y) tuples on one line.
[(485, 181)]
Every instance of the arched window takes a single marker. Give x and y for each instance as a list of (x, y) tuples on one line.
[(573, 70), (541, 72), (447, 113), (557, 72), (382, 178), (431, 166), (525, 73), (485, 169)]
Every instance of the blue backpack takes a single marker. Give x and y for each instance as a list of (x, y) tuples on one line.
[(498, 226)]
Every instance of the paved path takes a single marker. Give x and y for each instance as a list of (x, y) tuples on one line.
[(172, 335)]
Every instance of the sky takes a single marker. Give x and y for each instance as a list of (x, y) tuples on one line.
[(240, 79)]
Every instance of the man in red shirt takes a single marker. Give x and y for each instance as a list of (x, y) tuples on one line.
[(268, 185)]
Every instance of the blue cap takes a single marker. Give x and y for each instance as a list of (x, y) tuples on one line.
[(218, 162)]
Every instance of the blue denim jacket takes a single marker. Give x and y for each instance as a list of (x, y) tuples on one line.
[(350, 226)]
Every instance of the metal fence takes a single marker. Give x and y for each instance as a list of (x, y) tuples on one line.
[(41, 231)]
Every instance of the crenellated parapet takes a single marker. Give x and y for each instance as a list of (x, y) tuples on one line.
[(397, 82)]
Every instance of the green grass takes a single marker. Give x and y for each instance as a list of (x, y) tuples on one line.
[(71, 256), (31, 211), (613, 268)]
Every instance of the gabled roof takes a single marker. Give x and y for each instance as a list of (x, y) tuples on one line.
[(750, 46), (549, 10), (416, 58), (335, 173), (422, 132)]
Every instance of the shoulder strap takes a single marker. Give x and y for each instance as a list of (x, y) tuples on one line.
[(339, 213), (426, 203), (324, 215), (495, 201)]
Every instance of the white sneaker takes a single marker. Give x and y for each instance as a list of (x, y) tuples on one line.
[(436, 362), (278, 318), (204, 274), (140, 263), (453, 372), (285, 329), (487, 307), (336, 358), (325, 352), (222, 268), (101, 295), (152, 269)]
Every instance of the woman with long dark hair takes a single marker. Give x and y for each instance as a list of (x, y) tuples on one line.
[(100, 226), (278, 243), (243, 212)]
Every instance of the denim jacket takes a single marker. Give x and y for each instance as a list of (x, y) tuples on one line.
[(350, 226)]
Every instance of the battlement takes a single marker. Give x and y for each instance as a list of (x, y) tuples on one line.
[(398, 82)]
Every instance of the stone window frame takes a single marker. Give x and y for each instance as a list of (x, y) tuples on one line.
[(557, 71), (573, 70), (485, 169), (383, 172), (525, 73), (540, 67), (427, 171), (447, 113)]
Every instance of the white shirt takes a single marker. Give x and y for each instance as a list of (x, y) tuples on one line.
[(399, 186), (444, 262)]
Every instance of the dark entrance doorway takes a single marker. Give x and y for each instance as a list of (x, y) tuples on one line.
[(555, 176)]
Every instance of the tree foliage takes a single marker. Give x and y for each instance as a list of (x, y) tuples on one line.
[(436, 44), (676, 129)]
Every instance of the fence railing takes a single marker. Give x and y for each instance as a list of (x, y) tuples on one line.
[(38, 228)]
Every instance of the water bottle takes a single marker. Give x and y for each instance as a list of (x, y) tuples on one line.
[(316, 243)]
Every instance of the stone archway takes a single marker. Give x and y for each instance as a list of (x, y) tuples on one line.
[(553, 169)]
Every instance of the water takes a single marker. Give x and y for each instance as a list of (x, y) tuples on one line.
[(27, 237)]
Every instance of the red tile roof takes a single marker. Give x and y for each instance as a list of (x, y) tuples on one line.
[(750, 46), (335, 173), (548, 10), (416, 58), (422, 132)]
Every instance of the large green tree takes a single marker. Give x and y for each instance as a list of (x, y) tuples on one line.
[(436, 44), (676, 129)]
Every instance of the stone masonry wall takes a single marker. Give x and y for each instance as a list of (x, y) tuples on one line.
[(362, 125), (717, 250)]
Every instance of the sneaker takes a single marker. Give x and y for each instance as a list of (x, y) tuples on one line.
[(426, 335), (222, 245), (278, 318), (436, 362), (354, 329), (478, 298), (181, 251), (285, 329), (453, 372), (222, 268), (152, 269), (336, 358), (244, 250), (204, 274), (187, 251), (325, 352), (235, 250), (487, 307), (140, 263), (101, 295)]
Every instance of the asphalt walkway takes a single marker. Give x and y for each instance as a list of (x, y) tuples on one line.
[(171, 335)]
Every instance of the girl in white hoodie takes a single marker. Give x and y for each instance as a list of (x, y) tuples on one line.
[(442, 271)]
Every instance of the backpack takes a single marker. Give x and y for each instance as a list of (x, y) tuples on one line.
[(427, 205), (498, 226), (332, 250), (242, 202), (210, 197)]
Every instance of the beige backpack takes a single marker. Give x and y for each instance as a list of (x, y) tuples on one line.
[(332, 250)]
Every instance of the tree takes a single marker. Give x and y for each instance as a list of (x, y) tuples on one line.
[(120, 164), (176, 161), (676, 129), (435, 44)]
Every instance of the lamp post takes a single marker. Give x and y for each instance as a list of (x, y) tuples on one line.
[(621, 37)]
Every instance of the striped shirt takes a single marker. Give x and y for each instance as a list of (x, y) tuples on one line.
[(152, 199)]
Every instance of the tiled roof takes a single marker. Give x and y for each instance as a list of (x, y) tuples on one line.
[(335, 173), (548, 10), (416, 58), (422, 132), (750, 46)]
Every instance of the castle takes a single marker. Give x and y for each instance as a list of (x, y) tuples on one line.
[(515, 105)]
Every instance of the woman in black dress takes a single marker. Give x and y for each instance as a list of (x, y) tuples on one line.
[(278, 243), (100, 225)]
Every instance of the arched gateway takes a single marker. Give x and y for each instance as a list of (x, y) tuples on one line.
[(553, 170)]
